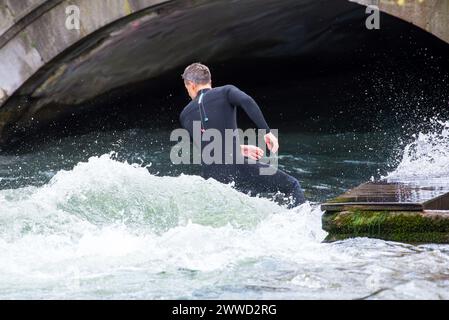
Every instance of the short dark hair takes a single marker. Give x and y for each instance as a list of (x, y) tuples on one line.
[(197, 73)]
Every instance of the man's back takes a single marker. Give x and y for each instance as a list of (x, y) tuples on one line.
[(214, 112), (217, 109)]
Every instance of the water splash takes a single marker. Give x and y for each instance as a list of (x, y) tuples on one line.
[(427, 157)]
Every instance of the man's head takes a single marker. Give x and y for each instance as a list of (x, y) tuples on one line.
[(196, 77)]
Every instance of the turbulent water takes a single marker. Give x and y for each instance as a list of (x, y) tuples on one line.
[(104, 216)]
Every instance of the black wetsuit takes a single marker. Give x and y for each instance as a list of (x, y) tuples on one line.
[(218, 110)]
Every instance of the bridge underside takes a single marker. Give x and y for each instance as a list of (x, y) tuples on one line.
[(430, 15), (312, 65)]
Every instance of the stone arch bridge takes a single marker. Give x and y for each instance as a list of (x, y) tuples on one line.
[(39, 56)]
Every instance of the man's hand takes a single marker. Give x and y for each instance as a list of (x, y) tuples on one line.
[(252, 152), (272, 142)]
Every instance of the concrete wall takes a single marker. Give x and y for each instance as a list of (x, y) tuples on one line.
[(38, 42), (430, 15), (11, 11)]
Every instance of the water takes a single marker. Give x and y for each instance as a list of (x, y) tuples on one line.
[(105, 216)]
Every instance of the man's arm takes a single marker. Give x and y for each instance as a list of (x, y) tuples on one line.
[(240, 99)]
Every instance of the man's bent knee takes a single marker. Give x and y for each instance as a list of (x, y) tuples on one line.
[(297, 194)]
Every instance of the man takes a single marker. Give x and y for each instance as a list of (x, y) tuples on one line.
[(216, 108)]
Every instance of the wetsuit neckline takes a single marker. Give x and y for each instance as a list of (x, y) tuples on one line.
[(202, 91)]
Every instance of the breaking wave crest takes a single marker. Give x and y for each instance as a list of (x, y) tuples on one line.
[(106, 215)]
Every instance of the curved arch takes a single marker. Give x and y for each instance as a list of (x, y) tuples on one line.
[(51, 71), (40, 34)]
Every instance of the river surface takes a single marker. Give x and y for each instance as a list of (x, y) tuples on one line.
[(105, 216)]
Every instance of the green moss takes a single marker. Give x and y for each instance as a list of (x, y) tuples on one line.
[(338, 200), (411, 238), (414, 227), (24, 36)]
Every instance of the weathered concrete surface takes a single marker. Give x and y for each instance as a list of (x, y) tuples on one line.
[(430, 15), (425, 194), (11, 11), (45, 37)]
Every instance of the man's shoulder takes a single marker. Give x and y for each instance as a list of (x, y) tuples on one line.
[(223, 91), (226, 87), (187, 108)]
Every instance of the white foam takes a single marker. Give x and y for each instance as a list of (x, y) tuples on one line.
[(426, 157), (109, 229)]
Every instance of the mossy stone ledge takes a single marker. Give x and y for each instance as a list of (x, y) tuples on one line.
[(402, 226), (394, 211)]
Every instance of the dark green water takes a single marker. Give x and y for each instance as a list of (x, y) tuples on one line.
[(326, 164)]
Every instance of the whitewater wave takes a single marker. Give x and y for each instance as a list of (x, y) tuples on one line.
[(104, 191), (105, 216)]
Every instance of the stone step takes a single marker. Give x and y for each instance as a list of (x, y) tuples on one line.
[(411, 212), (397, 196)]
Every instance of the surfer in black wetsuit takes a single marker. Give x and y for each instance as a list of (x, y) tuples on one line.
[(216, 108)]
